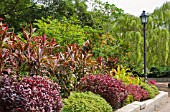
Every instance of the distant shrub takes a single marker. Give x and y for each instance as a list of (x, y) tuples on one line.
[(30, 94), (85, 102), (153, 82), (113, 90), (137, 92)]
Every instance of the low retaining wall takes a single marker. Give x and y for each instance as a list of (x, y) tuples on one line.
[(150, 105)]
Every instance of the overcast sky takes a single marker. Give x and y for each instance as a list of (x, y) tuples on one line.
[(135, 7)]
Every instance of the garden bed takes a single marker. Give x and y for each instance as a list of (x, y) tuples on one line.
[(148, 105)]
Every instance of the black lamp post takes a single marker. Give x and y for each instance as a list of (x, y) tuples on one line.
[(144, 20)]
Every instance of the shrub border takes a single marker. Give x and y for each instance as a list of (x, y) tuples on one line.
[(150, 105)]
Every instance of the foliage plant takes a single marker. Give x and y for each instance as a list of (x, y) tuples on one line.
[(161, 71), (71, 65), (151, 89), (105, 65), (111, 89), (85, 102), (156, 91), (29, 94), (129, 99), (126, 76), (137, 92), (107, 45), (7, 59), (37, 55), (64, 32), (152, 82), (27, 55), (68, 32)]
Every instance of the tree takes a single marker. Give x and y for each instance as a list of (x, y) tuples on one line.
[(129, 30), (20, 12), (161, 16), (104, 15)]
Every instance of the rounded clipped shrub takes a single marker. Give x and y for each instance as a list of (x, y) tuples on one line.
[(30, 94), (85, 102), (111, 89)]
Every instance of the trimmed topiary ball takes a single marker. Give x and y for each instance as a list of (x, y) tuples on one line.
[(113, 90), (85, 102), (35, 94)]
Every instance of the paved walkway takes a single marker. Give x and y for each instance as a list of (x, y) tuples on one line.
[(165, 108), (163, 86)]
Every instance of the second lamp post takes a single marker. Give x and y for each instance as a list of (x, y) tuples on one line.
[(144, 20)]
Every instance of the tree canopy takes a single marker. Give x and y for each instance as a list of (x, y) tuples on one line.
[(112, 32)]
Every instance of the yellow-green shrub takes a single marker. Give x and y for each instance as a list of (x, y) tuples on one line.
[(85, 102), (152, 89)]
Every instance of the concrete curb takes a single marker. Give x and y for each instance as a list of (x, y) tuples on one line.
[(150, 105)]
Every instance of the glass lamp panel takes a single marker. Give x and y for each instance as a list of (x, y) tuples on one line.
[(144, 19)]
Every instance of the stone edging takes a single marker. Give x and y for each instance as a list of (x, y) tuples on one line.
[(150, 105)]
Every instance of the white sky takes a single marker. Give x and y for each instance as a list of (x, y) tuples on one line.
[(135, 7)]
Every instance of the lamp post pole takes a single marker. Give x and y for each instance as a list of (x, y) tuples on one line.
[(144, 32), (144, 20)]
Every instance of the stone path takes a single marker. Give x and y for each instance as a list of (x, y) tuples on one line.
[(163, 86)]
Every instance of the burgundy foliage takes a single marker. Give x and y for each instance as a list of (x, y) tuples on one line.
[(137, 92), (153, 82), (31, 94), (113, 90), (37, 55), (106, 65)]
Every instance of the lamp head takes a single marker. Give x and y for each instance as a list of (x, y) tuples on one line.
[(144, 18)]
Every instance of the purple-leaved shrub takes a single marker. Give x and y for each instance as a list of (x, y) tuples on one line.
[(113, 90), (30, 94), (137, 92), (153, 82)]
